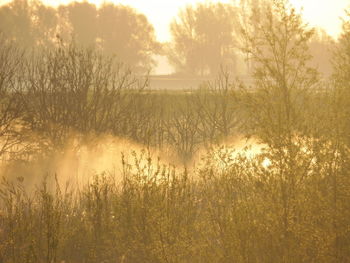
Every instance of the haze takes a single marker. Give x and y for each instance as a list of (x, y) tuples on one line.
[(321, 13), (239, 152)]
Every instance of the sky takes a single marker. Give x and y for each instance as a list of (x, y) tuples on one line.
[(322, 13)]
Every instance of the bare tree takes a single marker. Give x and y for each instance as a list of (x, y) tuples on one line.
[(182, 128), (72, 89), (11, 107), (216, 107)]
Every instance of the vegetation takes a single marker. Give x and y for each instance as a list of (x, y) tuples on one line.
[(114, 29), (204, 39), (284, 196)]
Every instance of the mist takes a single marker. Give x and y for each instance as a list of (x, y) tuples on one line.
[(228, 143)]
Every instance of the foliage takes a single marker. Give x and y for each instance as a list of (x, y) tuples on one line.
[(203, 39), (284, 199), (153, 213), (115, 29), (29, 24)]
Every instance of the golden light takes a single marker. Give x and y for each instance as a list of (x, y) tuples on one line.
[(266, 163), (325, 14)]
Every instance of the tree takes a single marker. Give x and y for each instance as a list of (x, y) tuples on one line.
[(215, 103), (72, 90), (127, 34), (342, 54), (182, 129), (11, 106), (321, 45), (16, 22), (115, 29), (81, 17), (29, 24), (276, 41), (338, 132), (203, 39)]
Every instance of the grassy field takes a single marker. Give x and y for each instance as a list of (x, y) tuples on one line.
[(232, 207), (169, 176)]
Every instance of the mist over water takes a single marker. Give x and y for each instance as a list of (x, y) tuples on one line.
[(241, 154), (77, 164)]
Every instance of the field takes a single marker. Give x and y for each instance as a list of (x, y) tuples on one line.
[(174, 189), (101, 162)]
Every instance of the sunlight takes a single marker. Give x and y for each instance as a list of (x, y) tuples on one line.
[(160, 13), (266, 163), (240, 153), (324, 14), (226, 156)]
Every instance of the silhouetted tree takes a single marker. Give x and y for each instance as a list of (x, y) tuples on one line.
[(127, 34), (338, 133), (11, 106), (76, 90), (276, 40), (216, 107), (321, 45), (203, 39), (81, 19), (341, 76), (182, 129), (342, 56), (16, 22), (29, 24), (115, 29)]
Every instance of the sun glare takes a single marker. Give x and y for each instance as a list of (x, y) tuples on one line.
[(266, 163)]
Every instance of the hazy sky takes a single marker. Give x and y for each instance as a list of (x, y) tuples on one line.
[(323, 13)]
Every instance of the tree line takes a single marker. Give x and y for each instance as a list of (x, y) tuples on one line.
[(205, 36), (52, 96)]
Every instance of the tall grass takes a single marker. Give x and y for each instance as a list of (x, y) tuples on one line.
[(156, 213)]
